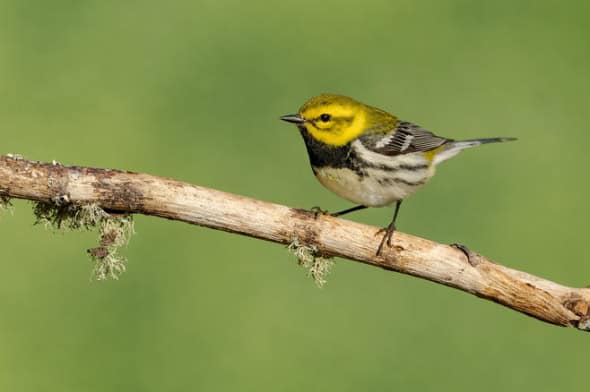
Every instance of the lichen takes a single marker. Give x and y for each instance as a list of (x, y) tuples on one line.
[(309, 257), (17, 157), (114, 233), (5, 203), (114, 230), (62, 214)]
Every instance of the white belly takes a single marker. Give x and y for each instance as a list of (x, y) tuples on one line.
[(377, 188)]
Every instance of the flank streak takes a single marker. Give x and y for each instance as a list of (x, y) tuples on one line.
[(394, 168), (411, 179), (409, 183)]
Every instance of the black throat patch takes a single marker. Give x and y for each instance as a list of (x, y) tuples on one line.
[(322, 155)]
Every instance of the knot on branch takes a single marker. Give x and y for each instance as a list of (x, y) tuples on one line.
[(581, 308)]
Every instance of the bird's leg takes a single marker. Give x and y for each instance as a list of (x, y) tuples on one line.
[(356, 208), (318, 211), (389, 230)]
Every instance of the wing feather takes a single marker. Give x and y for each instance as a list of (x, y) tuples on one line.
[(404, 139)]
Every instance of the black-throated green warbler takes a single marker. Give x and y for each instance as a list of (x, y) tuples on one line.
[(369, 156)]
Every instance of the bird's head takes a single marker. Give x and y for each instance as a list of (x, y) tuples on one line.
[(337, 120)]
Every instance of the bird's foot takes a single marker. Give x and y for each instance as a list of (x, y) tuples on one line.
[(389, 230), (471, 257), (317, 211)]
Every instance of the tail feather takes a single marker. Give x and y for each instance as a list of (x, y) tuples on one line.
[(453, 148), (477, 142)]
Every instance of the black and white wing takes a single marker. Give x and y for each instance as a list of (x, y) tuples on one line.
[(404, 139)]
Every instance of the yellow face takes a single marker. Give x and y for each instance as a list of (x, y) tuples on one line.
[(335, 124), (337, 120)]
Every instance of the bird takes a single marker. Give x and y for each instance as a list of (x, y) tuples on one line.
[(369, 156)]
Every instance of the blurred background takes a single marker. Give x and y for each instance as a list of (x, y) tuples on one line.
[(193, 90)]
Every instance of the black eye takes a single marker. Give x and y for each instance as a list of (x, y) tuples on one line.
[(325, 117)]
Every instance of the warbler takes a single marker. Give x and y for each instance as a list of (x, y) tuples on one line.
[(369, 156)]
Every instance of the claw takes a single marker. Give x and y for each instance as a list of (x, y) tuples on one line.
[(389, 230), (317, 211)]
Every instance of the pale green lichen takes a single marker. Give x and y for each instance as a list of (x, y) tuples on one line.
[(5, 203), (17, 157), (309, 257), (61, 214), (114, 229), (114, 233)]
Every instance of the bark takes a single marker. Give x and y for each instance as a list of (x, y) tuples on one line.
[(326, 236)]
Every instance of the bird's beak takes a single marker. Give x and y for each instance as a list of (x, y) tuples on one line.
[(293, 118)]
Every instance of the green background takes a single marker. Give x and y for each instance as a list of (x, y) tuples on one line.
[(193, 90)]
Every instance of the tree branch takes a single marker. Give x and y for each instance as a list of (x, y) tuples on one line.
[(323, 236)]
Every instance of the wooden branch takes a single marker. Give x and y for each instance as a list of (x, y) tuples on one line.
[(115, 190)]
